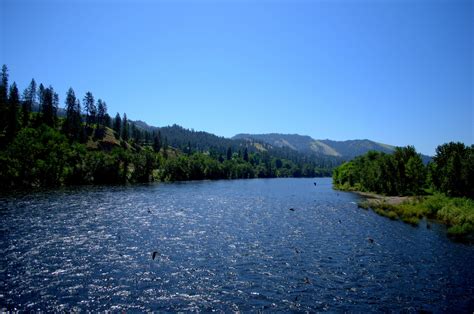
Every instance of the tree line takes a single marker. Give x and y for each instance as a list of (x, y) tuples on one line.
[(403, 173), (42, 144)]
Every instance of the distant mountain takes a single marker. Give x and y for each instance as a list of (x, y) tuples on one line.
[(352, 148), (295, 147), (345, 150), (182, 138)]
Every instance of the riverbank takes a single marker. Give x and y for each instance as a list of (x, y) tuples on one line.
[(456, 213)]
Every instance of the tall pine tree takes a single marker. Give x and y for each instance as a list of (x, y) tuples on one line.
[(14, 105), (48, 110), (117, 125), (157, 141), (101, 112), (72, 126), (90, 108), (125, 128), (3, 99), (29, 102)]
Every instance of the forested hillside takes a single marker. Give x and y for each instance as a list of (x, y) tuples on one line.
[(86, 145)]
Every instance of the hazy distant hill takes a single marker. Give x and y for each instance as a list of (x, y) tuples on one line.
[(306, 144)]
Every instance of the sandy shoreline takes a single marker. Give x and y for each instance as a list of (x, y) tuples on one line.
[(377, 198)]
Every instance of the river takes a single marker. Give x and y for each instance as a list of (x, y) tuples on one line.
[(225, 246)]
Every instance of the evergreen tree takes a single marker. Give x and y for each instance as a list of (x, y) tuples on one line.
[(157, 142), (29, 102), (72, 125), (14, 104), (107, 120), (101, 113), (165, 147), (55, 103), (41, 90), (125, 128), (246, 155), (47, 107), (117, 125), (3, 99), (135, 133), (229, 153), (90, 108)]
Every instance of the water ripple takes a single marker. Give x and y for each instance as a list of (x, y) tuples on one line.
[(225, 246)]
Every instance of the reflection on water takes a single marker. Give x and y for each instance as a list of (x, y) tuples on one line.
[(223, 245)]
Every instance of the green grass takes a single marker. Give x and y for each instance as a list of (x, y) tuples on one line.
[(386, 210), (456, 213), (365, 204)]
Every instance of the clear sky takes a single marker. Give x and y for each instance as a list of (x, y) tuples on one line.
[(394, 71)]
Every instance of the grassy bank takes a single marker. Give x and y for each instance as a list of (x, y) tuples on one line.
[(456, 213)]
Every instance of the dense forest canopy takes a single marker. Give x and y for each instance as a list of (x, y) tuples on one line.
[(83, 144)]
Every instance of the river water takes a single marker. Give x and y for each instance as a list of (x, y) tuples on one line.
[(225, 246)]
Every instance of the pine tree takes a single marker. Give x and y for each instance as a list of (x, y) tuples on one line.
[(55, 103), (48, 106), (165, 147), (72, 125), (90, 108), (246, 154), (3, 99), (125, 128), (14, 104), (229, 153), (41, 90), (117, 125), (107, 120), (157, 142), (29, 102), (101, 112), (188, 148)]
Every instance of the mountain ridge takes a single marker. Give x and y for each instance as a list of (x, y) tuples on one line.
[(347, 149), (301, 144)]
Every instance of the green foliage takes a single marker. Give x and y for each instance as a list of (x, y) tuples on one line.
[(48, 104), (125, 128), (29, 101), (72, 126), (157, 141), (46, 151), (117, 125), (457, 213), (3, 103), (143, 165), (452, 171), (401, 173), (13, 111), (90, 108), (36, 157)]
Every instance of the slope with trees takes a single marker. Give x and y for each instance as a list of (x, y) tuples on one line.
[(40, 147)]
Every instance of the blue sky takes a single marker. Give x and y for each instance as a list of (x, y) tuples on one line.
[(396, 71)]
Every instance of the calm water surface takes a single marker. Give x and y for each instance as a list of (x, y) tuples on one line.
[(225, 246)]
